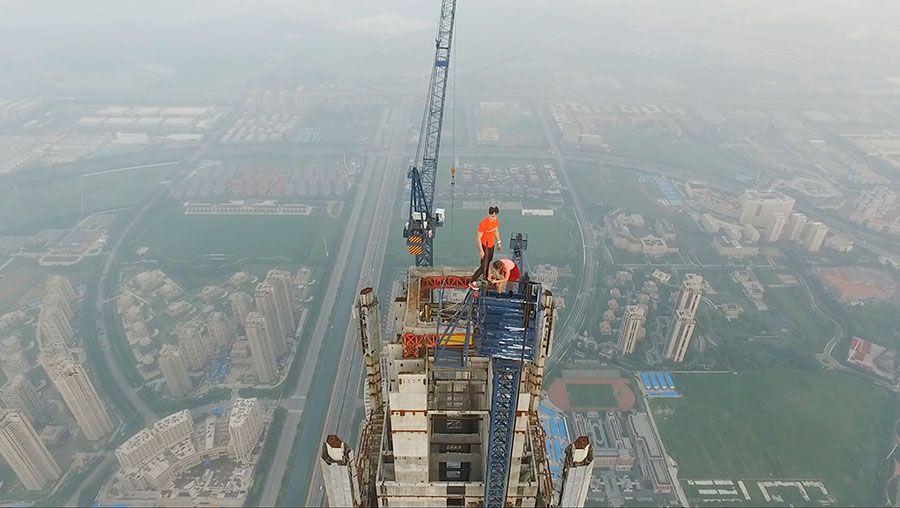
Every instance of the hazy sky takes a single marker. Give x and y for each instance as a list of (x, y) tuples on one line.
[(53, 40)]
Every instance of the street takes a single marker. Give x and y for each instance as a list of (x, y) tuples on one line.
[(345, 397), (336, 284)]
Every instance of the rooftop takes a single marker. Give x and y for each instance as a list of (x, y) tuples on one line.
[(240, 411)]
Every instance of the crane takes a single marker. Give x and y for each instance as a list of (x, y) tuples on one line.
[(424, 219), (501, 326)]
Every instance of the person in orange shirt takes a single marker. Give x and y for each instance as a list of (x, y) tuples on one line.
[(487, 237)]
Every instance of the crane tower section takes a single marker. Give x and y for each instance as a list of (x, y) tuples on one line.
[(424, 218)]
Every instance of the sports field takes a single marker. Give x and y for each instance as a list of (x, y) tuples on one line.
[(193, 238), (778, 424), (591, 394)]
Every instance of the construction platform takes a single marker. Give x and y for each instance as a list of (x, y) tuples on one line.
[(452, 411)]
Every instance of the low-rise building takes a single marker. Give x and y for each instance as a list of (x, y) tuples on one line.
[(653, 463), (725, 246)]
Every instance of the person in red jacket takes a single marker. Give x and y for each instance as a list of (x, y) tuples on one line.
[(487, 237), (503, 271)]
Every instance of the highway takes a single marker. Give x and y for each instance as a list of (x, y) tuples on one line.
[(295, 403), (345, 397), (569, 327), (99, 320), (342, 287)]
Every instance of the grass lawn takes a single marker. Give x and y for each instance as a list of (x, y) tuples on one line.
[(700, 157), (611, 188), (790, 424), (193, 238), (36, 202), (20, 278), (793, 304), (591, 395)]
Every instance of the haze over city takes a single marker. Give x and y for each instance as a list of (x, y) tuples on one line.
[(449, 253)]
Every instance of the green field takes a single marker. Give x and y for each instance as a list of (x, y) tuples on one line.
[(787, 424), (611, 188), (53, 198), (591, 395), (793, 303), (193, 238), (701, 157)]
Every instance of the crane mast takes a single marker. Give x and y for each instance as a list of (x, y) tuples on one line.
[(423, 217)]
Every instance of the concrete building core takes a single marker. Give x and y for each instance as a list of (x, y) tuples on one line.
[(339, 470), (577, 470), (427, 440)]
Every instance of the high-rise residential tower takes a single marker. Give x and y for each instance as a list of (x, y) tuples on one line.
[(22, 449), (61, 287), (795, 225), (245, 424), (174, 371), (681, 326), (54, 322), (261, 350), (219, 329), (18, 394), (193, 343), (814, 236), (77, 391), (632, 329), (241, 305), (268, 308), (775, 227), (283, 284)]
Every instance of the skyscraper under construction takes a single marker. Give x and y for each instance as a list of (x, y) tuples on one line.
[(452, 401)]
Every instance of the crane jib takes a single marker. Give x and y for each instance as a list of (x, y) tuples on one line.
[(423, 216)]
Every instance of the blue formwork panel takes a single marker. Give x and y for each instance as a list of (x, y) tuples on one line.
[(669, 380), (502, 328), (646, 380)]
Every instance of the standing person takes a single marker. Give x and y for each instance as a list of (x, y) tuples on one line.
[(487, 236)]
